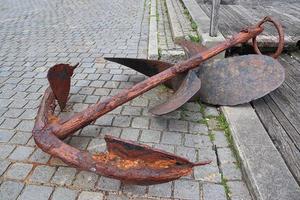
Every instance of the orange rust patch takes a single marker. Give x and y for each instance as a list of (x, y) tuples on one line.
[(131, 163)]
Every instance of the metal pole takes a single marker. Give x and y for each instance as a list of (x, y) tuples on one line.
[(214, 18)]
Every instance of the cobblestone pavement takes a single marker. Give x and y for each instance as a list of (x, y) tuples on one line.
[(36, 34)]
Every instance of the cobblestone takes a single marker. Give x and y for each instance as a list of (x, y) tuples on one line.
[(10, 190), (42, 174), (90, 196), (85, 31), (3, 166), (85, 180), (64, 194), (186, 189), (34, 192), (108, 184), (64, 176), (18, 171), (21, 153), (213, 191)]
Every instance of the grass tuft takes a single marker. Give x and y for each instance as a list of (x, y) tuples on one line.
[(223, 125)]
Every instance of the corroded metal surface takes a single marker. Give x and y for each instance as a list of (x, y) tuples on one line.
[(59, 77), (240, 79), (126, 160), (189, 87)]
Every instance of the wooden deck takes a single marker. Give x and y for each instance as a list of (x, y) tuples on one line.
[(235, 17), (280, 113)]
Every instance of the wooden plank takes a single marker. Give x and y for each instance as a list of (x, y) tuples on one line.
[(235, 17), (214, 18), (280, 138)]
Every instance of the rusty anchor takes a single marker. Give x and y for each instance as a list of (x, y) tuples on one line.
[(141, 164)]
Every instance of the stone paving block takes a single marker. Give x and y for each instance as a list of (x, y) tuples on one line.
[(21, 153), (135, 189), (25, 125), (90, 130), (85, 180), (131, 110), (6, 135), (108, 184), (213, 191), (191, 116), (164, 147), (34, 192), (42, 174), (14, 112), (20, 138), (85, 195), (61, 193), (139, 101), (5, 150), (18, 171), (197, 141), (79, 142), (3, 166), (220, 139), (114, 131), (105, 120), (208, 173), (238, 190), (130, 134), (171, 138), (158, 124), (211, 111), (97, 145), (117, 197), (122, 121), (91, 99), (225, 156), (150, 136), (197, 128), (207, 153), (39, 156), (231, 171), (20, 103), (64, 176), (9, 124), (140, 122), (161, 190), (178, 125), (186, 189), (186, 152), (212, 124), (9, 190)]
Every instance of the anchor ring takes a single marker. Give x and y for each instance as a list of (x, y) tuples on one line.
[(279, 29)]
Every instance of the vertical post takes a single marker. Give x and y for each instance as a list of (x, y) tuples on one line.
[(214, 18)]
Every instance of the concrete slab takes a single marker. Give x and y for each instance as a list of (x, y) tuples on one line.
[(202, 21), (176, 30), (267, 175), (153, 41)]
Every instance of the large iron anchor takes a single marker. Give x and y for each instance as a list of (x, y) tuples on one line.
[(127, 160)]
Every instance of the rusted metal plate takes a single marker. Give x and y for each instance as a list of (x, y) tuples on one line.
[(191, 48), (59, 77), (189, 87), (240, 79), (144, 66)]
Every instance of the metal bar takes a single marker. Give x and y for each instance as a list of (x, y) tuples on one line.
[(214, 18)]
